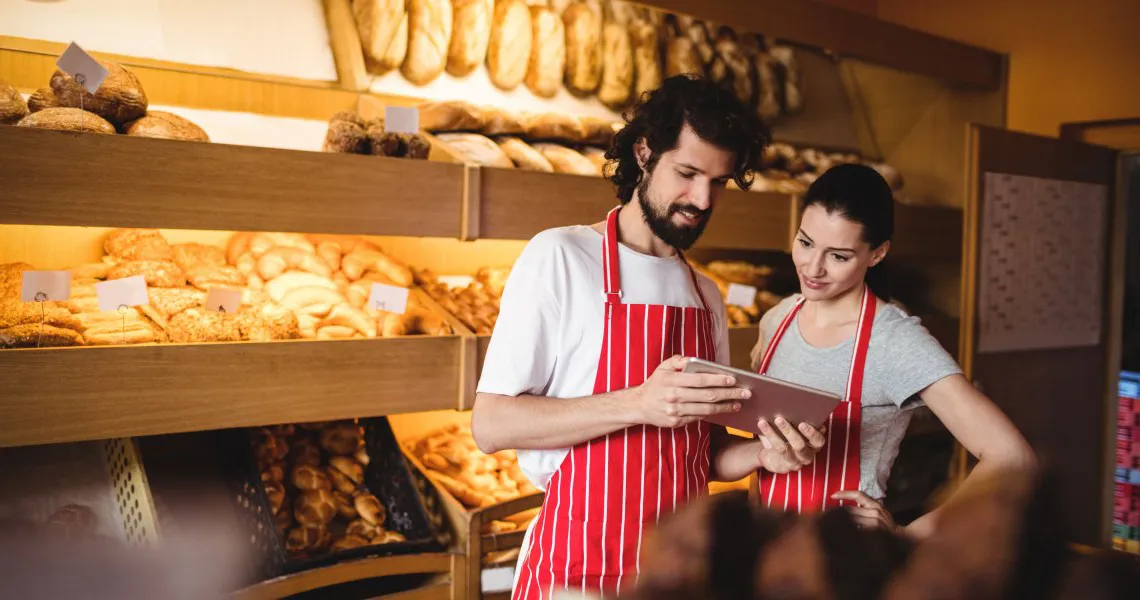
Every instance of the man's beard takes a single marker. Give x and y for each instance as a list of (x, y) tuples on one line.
[(661, 223)]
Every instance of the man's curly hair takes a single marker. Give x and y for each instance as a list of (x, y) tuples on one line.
[(712, 111)]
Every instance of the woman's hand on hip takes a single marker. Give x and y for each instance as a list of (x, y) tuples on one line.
[(672, 398), (868, 512), (785, 448)]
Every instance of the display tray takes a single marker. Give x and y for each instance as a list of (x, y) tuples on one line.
[(386, 476)]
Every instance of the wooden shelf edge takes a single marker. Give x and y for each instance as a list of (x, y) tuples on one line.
[(345, 572), (83, 179), (57, 395)]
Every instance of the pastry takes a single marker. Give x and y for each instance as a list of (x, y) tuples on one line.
[(138, 244), (617, 66), (157, 273), (41, 99), (362, 261), (429, 35), (159, 124), (509, 50), (13, 108), (470, 34), (547, 63), (476, 149), (583, 26), (120, 99), (523, 156), (67, 119), (344, 315), (565, 160), (451, 116)]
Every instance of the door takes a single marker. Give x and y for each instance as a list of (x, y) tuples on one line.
[(1035, 303)]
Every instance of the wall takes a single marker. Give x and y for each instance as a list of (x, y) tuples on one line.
[(1069, 61)]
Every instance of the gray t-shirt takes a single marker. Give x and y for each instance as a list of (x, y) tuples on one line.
[(903, 360)]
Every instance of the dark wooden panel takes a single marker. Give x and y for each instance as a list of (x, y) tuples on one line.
[(64, 178), (71, 394), (851, 33), (927, 233), (740, 343), (1016, 153)]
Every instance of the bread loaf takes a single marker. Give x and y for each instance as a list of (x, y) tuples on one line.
[(137, 244), (201, 325), (429, 36), (12, 105), (383, 28), (740, 71), (523, 156), (583, 26), (501, 122), (470, 34), (770, 87), (646, 58), (192, 255), (681, 57), (793, 95), (119, 100), (596, 156), (508, 53), (158, 273), (477, 149), (565, 160), (159, 124), (454, 115), (598, 132), (41, 99), (623, 13), (617, 66), (547, 64), (555, 126), (28, 336), (67, 119)]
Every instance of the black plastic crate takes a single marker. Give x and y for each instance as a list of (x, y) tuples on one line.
[(412, 508)]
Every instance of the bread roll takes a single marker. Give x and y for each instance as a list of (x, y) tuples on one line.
[(349, 542), (565, 160), (449, 116), (470, 34), (345, 137), (477, 149), (379, 23), (309, 478), (340, 482), (501, 122), (137, 244), (681, 57), (429, 35), (646, 58), (547, 63), (119, 100), (523, 156), (41, 99), (508, 53), (617, 66), (370, 509), (361, 528), (341, 439), (159, 124), (363, 261), (583, 26), (344, 505), (277, 261), (191, 255), (348, 467), (13, 108), (307, 539), (67, 119)]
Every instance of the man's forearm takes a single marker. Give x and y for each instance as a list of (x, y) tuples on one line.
[(528, 422)]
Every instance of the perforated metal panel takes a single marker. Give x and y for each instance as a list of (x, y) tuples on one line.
[(132, 492)]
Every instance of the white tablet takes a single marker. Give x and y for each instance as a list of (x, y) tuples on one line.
[(771, 398)]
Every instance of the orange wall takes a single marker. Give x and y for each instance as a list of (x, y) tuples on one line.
[(1069, 60)]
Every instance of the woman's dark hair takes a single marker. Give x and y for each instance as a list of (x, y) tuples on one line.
[(859, 194), (711, 110)]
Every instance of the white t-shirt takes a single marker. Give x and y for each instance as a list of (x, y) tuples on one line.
[(549, 333)]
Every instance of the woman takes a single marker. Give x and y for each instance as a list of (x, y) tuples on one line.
[(841, 335)]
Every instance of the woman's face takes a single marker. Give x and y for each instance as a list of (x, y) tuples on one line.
[(830, 255)]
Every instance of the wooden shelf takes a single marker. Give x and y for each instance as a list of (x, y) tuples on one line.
[(740, 343), (71, 394), (65, 178), (517, 204), (357, 570)]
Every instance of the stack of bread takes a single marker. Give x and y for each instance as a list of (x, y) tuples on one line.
[(313, 476), (476, 305), (451, 459), (788, 170), (350, 134), (28, 324), (726, 272), (326, 281), (119, 105)]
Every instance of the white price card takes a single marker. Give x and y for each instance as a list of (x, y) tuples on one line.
[(122, 292), (40, 286), (223, 300), (389, 298), (83, 67), (400, 119), (741, 295)]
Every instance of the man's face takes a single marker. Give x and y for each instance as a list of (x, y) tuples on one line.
[(678, 195)]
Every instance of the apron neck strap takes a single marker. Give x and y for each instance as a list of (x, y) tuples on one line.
[(862, 339), (611, 265)]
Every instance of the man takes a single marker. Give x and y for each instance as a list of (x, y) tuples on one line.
[(583, 370)]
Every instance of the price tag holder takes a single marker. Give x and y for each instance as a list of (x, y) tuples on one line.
[(223, 300), (41, 286), (400, 119), (86, 71), (741, 295), (389, 298), (118, 293)]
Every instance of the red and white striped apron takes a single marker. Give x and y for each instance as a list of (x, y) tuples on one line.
[(836, 466), (608, 490)]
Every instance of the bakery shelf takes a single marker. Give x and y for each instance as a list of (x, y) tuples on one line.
[(517, 204), (346, 572), (66, 178), (740, 343), (72, 394)]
